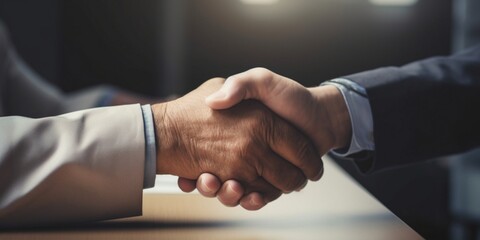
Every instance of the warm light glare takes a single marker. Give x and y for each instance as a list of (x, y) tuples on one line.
[(260, 2), (394, 2)]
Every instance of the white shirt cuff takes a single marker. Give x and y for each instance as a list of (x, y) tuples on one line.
[(356, 98)]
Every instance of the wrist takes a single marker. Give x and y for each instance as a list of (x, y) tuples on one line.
[(164, 137), (335, 114)]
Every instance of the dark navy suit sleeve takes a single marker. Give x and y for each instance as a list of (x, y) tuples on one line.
[(423, 110)]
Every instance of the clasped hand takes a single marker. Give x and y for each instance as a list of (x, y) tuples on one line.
[(259, 152)]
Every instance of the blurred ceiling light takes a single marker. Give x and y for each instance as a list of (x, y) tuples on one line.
[(394, 2), (260, 2)]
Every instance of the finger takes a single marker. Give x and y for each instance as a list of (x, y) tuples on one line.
[(230, 193), (267, 191), (253, 201), (301, 187), (281, 173), (293, 146), (282, 95), (252, 84), (231, 93), (186, 185), (208, 185)]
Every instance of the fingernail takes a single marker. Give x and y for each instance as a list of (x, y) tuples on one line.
[(319, 175), (205, 185), (218, 95), (253, 202), (231, 189)]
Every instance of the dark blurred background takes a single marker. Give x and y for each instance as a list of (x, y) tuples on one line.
[(132, 43), (171, 46)]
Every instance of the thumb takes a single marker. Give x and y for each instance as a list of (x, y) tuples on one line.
[(232, 92)]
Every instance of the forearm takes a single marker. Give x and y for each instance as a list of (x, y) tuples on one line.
[(92, 160), (425, 109)]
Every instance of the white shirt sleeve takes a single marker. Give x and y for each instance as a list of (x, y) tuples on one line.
[(78, 167), (360, 114)]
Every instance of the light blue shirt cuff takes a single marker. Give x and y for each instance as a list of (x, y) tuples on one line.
[(356, 98), (150, 148)]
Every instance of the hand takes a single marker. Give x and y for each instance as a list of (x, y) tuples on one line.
[(319, 112), (247, 142)]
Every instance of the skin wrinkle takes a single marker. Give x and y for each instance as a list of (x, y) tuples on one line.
[(191, 151), (239, 143), (266, 125), (162, 139), (297, 102), (246, 146), (207, 147)]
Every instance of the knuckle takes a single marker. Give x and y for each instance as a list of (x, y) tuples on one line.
[(261, 72), (265, 78)]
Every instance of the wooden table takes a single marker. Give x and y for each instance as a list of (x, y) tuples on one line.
[(334, 208)]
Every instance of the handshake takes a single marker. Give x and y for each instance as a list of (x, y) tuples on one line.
[(250, 138)]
